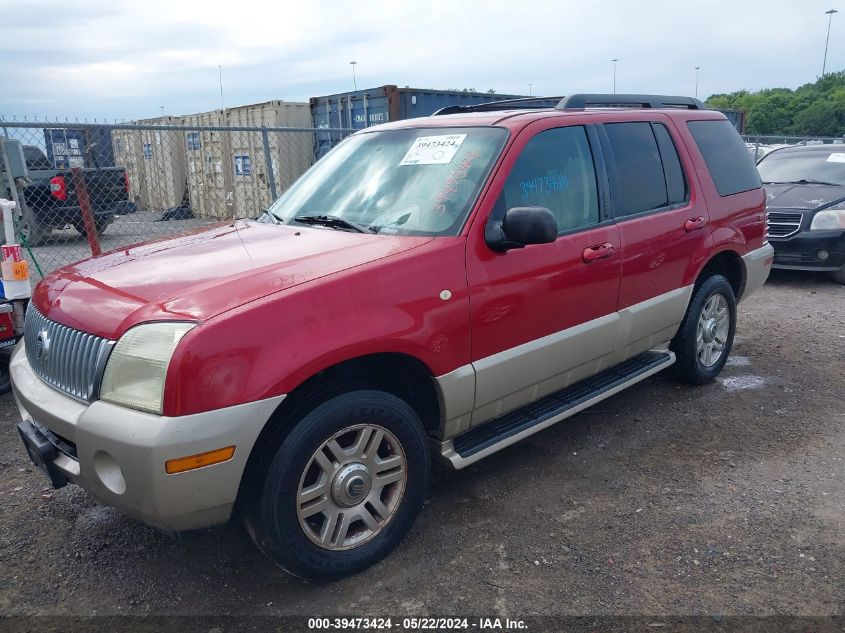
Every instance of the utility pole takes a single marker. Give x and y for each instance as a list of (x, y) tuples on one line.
[(697, 68), (354, 81), (614, 60), (530, 90), (162, 110), (220, 79), (829, 20)]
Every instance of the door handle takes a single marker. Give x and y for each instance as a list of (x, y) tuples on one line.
[(694, 224), (599, 251)]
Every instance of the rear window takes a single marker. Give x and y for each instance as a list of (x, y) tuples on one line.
[(676, 183), (728, 161), (639, 170)]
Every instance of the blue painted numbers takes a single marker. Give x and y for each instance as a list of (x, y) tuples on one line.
[(543, 185)]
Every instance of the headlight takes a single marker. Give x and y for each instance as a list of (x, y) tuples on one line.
[(833, 218), (135, 372)]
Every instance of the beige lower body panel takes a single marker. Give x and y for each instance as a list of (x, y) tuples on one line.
[(758, 265), (121, 453), (493, 386), (446, 450)]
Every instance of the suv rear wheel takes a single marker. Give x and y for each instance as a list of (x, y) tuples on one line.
[(343, 488), (100, 224), (706, 335)]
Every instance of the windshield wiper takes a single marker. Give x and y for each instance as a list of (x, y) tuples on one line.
[(275, 219), (332, 221), (803, 181)]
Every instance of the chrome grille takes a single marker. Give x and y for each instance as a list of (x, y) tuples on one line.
[(780, 224), (70, 360)]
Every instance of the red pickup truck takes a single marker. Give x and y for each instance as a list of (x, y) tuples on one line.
[(440, 286)]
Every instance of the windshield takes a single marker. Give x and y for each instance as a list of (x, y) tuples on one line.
[(403, 182), (824, 166)]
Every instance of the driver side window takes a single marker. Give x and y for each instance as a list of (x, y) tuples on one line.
[(555, 170)]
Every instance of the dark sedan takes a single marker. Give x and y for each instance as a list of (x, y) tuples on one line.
[(805, 193)]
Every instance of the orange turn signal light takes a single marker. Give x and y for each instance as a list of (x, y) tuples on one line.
[(180, 465)]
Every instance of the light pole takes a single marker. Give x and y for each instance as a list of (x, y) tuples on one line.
[(354, 81), (614, 60), (162, 110), (829, 20), (530, 90), (697, 68)]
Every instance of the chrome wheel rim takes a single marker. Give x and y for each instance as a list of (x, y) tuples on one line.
[(711, 337), (351, 487)]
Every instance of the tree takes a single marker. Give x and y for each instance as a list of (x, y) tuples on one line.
[(813, 109), (822, 118)]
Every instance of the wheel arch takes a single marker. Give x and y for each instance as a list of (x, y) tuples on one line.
[(397, 373), (729, 264)]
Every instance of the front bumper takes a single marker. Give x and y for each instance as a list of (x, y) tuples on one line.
[(801, 251), (118, 455)]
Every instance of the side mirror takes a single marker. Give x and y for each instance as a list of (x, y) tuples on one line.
[(520, 227)]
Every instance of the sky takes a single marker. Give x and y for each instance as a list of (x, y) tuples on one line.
[(122, 59)]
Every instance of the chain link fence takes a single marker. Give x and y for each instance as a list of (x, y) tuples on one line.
[(88, 187), (760, 145)]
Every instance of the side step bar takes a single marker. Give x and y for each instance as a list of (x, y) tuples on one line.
[(479, 442)]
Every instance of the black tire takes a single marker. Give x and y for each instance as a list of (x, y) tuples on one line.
[(270, 509), (5, 374), (838, 275), (689, 367), (100, 225)]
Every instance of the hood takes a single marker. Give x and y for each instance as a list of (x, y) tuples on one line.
[(806, 197), (201, 274)]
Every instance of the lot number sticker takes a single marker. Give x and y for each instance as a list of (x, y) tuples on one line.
[(836, 157), (433, 150)]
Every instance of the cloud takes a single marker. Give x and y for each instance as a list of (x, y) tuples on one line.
[(124, 60)]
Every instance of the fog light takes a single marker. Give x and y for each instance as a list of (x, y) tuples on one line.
[(823, 255), (109, 472)]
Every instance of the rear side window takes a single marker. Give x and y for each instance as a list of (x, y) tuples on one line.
[(728, 161), (676, 184), (556, 171), (640, 184)]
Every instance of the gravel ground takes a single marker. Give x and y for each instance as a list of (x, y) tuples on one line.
[(723, 499)]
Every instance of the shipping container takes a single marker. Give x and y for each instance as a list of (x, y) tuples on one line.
[(737, 119), (155, 162), (229, 172), (79, 147), (363, 108)]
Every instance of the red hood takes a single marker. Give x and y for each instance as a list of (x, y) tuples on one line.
[(200, 274)]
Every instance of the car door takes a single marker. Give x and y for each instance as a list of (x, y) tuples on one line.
[(544, 316), (663, 228)]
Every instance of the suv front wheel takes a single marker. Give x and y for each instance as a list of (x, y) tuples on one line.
[(344, 486), (706, 335)]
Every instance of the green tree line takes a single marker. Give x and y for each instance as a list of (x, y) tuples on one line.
[(814, 109)]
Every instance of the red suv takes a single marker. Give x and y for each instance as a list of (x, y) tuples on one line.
[(440, 286)]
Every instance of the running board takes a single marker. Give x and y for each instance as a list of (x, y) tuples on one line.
[(475, 444)]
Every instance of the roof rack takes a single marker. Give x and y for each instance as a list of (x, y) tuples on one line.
[(519, 104), (581, 101)]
